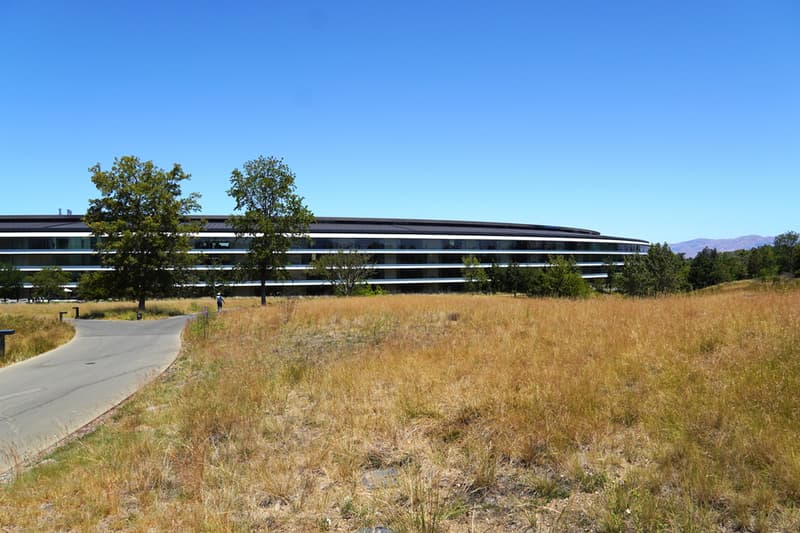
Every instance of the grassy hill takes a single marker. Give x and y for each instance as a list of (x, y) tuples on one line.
[(752, 285), (451, 413)]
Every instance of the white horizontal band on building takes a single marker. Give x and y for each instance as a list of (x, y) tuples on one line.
[(33, 242)]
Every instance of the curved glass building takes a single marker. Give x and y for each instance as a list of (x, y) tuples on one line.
[(408, 255)]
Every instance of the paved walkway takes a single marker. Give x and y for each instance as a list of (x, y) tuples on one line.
[(47, 398)]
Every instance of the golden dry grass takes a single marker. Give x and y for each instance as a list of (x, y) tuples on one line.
[(452, 413), (34, 334), (750, 285), (39, 330)]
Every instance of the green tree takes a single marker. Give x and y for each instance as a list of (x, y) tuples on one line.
[(730, 266), (142, 227), (562, 279), (703, 270), (710, 267), (11, 279), (515, 278), (498, 281), (787, 252), (668, 269), (346, 271), (94, 285), (659, 272), (49, 283), (475, 278), (274, 215), (635, 278), (611, 280), (534, 281), (762, 263)]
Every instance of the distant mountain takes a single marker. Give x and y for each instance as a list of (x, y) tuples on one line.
[(693, 247)]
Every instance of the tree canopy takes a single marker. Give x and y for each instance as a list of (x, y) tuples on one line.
[(710, 267), (761, 263), (273, 216), (475, 278), (703, 271), (345, 270), (11, 279), (563, 280), (787, 252), (659, 272), (559, 279), (49, 283), (143, 233)]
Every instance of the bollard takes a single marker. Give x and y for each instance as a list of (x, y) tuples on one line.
[(3, 333), (77, 312), (138, 315), (61, 316)]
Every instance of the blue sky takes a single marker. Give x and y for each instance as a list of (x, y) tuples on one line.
[(662, 120)]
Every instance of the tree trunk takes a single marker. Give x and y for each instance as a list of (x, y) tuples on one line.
[(141, 302)]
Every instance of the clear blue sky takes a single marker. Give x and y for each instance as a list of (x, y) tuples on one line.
[(662, 120)]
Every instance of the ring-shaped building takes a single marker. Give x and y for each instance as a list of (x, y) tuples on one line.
[(407, 254)]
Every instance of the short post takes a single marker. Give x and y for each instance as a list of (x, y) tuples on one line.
[(61, 315), (77, 312), (3, 333), (138, 315)]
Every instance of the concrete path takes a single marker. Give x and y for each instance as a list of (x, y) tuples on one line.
[(47, 398)]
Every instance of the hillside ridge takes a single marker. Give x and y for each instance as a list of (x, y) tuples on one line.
[(692, 247)]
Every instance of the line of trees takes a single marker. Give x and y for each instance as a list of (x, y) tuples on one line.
[(46, 284), (560, 278), (142, 228), (781, 258), (662, 271), (11, 281)]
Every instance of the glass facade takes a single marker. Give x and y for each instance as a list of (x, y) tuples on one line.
[(407, 255), (47, 243)]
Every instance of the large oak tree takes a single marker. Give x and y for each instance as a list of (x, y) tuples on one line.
[(141, 227), (273, 216)]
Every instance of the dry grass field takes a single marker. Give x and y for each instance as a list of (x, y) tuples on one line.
[(451, 413), (34, 333)]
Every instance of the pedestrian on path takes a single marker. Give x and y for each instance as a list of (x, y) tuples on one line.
[(220, 300)]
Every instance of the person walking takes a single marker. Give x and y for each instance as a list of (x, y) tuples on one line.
[(220, 300)]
